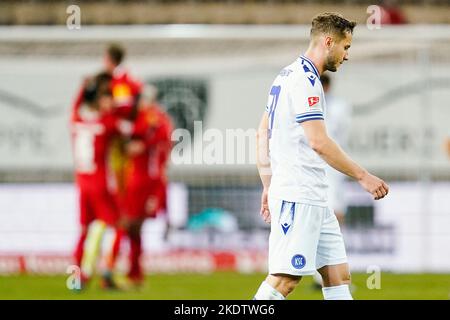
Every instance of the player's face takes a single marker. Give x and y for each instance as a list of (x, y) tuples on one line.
[(338, 52)]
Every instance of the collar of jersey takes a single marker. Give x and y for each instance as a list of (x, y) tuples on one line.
[(314, 69)]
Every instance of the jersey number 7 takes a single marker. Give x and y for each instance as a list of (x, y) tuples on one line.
[(275, 93)]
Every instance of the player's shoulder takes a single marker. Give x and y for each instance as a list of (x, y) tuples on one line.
[(290, 75), (309, 72), (300, 72)]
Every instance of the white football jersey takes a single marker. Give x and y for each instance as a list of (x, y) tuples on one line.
[(298, 172)]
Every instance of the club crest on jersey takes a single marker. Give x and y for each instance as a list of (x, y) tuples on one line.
[(298, 261), (313, 100)]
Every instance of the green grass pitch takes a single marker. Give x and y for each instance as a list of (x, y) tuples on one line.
[(223, 286)]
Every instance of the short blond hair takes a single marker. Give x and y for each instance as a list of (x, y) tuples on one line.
[(331, 24)]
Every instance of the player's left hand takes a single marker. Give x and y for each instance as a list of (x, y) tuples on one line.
[(265, 213)]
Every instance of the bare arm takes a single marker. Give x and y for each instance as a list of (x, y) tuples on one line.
[(263, 164), (262, 151), (321, 143), (447, 146)]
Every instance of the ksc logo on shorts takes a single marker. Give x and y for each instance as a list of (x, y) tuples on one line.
[(298, 261)]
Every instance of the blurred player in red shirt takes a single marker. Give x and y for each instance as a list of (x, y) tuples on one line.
[(93, 127), (123, 97), (126, 91), (145, 174), (125, 88), (91, 135)]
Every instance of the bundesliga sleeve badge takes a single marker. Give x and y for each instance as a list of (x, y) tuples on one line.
[(313, 100)]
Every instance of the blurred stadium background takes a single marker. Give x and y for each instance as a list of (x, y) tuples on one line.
[(213, 61)]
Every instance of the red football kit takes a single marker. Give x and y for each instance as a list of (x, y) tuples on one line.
[(125, 90), (92, 132), (146, 181)]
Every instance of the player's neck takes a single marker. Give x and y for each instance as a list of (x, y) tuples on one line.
[(316, 57)]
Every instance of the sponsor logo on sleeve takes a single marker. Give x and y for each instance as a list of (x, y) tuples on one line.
[(313, 100)]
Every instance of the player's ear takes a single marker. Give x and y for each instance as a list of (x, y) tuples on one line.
[(328, 41)]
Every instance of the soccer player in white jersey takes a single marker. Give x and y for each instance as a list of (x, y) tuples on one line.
[(293, 150)]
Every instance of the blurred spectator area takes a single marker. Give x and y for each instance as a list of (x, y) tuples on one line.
[(46, 12)]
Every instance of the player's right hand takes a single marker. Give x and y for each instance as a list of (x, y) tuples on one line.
[(265, 213), (374, 185)]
